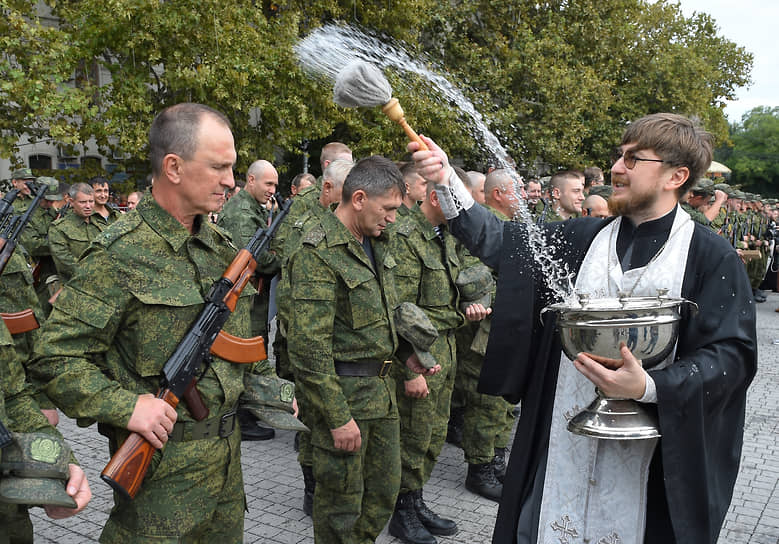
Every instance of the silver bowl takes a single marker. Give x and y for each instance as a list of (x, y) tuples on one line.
[(649, 326)]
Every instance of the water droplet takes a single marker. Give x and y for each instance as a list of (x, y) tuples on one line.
[(723, 277)]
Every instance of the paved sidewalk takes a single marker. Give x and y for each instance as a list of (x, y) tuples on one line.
[(274, 486)]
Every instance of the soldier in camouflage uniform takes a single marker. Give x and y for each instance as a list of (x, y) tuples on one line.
[(35, 239), (567, 195), (427, 266), (243, 214), (330, 194), (19, 411), (24, 197), (341, 342), (137, 291), (103, 213), (71, 235)]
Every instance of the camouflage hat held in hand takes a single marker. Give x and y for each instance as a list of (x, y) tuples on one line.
[(414, 325), (475, 285), (269, 398), (35, 471)]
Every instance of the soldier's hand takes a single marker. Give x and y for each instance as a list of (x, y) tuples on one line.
[(414, 364), (433, 165), (477, 312), (52, 415), (295, 406), (626, 382), (347, 437), (417, 388), (78, 488), (153, 419)]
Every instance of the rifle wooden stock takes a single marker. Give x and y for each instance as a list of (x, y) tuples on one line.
[(239, 350), (127, 468), (20, 322)]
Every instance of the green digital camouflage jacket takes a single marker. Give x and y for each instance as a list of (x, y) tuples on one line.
[(241, 217), (696, 215), (17, 294), (427, 268), (341, 309), (137, 290), (21, 203), (306, 200), (103, 222), (35, 236), (69, 237)]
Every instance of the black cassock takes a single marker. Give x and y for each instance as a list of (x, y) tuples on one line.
[(701, 396)]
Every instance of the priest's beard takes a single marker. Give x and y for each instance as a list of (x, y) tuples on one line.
[(635, 204)]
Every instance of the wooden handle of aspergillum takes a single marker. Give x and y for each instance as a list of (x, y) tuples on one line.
[(393, 110)]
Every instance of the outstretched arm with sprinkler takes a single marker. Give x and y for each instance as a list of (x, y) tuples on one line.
[(361, 84)]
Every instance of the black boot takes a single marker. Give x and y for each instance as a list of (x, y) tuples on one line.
[(499, 464), (481, 480), (405, 523), (432, 521), (454, 431), (309, 485), (249, 428)]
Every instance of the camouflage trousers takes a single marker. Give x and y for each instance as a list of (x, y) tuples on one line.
[(193, 492), (488, 420), (356, 492), (15, 523), (423, 422)]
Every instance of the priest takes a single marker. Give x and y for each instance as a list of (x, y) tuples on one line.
[(562, 487)]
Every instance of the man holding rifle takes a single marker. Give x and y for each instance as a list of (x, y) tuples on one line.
[(136, 292)]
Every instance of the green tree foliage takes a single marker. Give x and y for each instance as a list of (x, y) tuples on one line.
[(557, 80), (754, 155)]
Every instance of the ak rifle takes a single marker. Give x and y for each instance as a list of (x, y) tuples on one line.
[(127, 468), (10, 236)]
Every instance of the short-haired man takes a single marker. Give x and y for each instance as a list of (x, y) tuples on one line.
[(242, 216), (70, 236), (343, 296), (500, 192), (416, 187), (118, 320), (560, 483), (133, 199), (300, 182), (103, 212), (475, 185), (333, 151), (19, 179), (595, 206), (593, 176), (567, 195)]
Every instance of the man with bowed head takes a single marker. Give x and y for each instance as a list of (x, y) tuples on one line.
[(673, 489), (134, 295)]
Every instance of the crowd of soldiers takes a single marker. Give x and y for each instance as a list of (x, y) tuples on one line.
[(382, 325)]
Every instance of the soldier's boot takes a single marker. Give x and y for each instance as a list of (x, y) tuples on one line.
[(499, 464), (405, 523), (309, 485), (454, 431), (434, 523), (481, 480), (249, 428)]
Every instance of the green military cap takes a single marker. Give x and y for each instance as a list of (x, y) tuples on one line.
[(414, 325), (35, 470), (269, 398), (475, 285), (724, 187), (738, 195), (22, 173), (603, 191), (703, 186), (53, 192)]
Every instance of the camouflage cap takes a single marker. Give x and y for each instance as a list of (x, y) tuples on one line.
[(270, 399), (475, 285), (703, 186), (603, 191), (22, 173), (35, 470), (414, 325), (53, 192), (739, 195), (724, 187)]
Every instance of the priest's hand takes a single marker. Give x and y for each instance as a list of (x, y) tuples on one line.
[(433, 165), (625, 379)]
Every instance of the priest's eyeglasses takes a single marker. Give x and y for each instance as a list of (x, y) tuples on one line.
[(629, 158)]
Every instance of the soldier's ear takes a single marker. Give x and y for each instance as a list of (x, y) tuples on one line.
[(171, 167), (359, 198)]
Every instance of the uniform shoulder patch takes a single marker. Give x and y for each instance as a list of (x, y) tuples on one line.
[(124, 225), (314, 236), (405, 228)]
